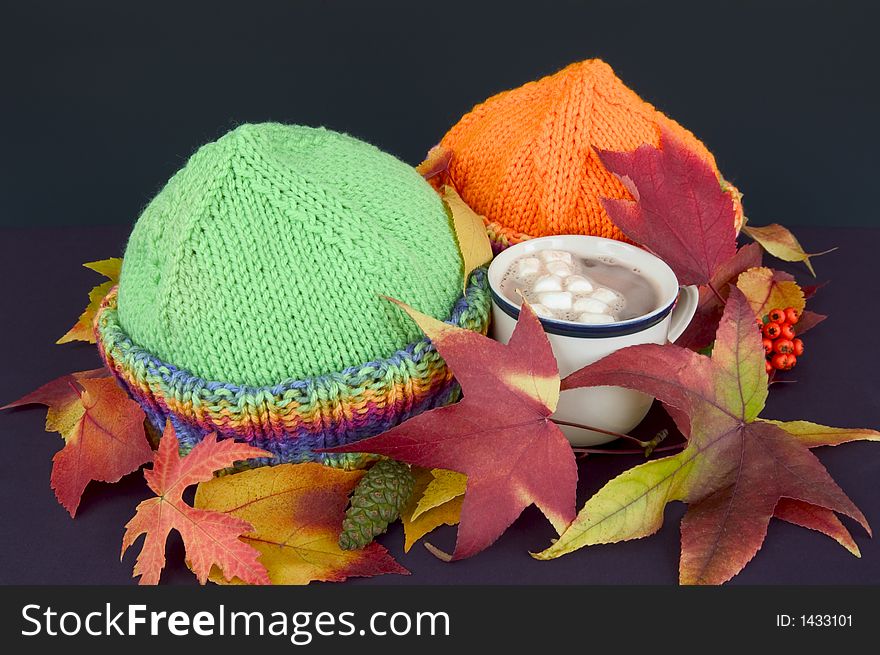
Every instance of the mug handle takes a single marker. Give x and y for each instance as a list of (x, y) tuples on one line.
[(685, 308)]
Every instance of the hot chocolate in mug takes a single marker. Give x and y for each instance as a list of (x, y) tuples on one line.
[(576, 344)]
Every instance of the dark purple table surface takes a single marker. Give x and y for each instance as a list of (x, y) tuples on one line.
[(44, 290)]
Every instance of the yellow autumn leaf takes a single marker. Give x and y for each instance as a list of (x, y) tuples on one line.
[(296, 511), (82, 329), (109, 268), (416, 527), (765, 289), (443, 487), (470, 230)]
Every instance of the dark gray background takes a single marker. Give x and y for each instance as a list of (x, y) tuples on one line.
[(103, 101), (102, 104)]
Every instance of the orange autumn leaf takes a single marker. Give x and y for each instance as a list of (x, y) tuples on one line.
[(61, 396), (436, 163), (82, 329), (294, 515), (102, 427), (210, 538)]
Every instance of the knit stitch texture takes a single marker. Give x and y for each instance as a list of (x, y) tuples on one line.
[(292, 419), (264, 258), (525, 158)]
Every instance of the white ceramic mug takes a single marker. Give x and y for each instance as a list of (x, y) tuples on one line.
[(576, 345)]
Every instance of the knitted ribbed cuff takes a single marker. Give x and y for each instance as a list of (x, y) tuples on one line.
[(294, 418)]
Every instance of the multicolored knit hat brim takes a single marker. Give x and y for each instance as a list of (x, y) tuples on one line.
[(294, 418)]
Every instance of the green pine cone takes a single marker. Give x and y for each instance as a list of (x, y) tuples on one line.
[(375, 503)]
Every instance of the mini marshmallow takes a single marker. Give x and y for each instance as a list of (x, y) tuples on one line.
[(528, 266), (555, 256), (559, 268), (541, 310), (591, 305), (591, 318), (556, 300), (547, 283), (607, 296), (578, 284)]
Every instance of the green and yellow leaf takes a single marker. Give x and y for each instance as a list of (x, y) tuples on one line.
[(781, 243), (737, 470)]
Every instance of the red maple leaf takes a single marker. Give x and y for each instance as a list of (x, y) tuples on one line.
[(736, 469), (680, 211), (102, 427), (701, 331), (210, 537), (816, 518), (499, 435), (808, 321)]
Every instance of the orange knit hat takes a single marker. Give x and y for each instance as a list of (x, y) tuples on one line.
[(525, 158)]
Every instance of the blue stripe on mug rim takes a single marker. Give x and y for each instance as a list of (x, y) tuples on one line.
[(585, 331)]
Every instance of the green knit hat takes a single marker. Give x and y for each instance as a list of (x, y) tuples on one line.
[(264, 258), (251, 284)]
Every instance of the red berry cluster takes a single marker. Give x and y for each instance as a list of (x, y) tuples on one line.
[(781, 346)]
